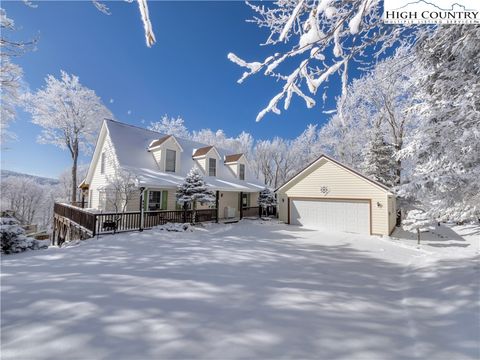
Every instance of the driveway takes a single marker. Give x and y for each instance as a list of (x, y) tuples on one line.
[(246, 290)]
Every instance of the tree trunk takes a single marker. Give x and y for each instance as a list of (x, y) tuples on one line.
[(74, 152), (74, 178), (194, 214)]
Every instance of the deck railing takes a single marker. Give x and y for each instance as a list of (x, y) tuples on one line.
[(104, 222)]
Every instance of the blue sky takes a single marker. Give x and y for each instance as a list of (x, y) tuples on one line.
[(186, 73)]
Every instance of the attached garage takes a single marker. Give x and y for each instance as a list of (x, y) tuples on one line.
[(331, 196)]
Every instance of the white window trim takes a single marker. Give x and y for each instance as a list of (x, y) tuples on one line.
[(148, 199), (240, 172), (215, 169), (174, 161)]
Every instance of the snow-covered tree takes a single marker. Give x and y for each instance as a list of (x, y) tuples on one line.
[(446, 145), (266, 198), (170, 126), (262, 161), (277, 160), (122, 189), (385, 97), (23, 196), (241, 144), (70, 115), (65, 185), (11, 76), (323, 38), (379, 159), (10, 95), (194, 190), (341, 139), (418, 221), (13, 239)]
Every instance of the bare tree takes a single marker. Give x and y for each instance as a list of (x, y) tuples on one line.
[(121, 190)]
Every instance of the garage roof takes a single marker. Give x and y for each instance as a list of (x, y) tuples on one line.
[(323, 156)]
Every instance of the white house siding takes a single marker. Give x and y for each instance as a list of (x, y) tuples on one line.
[(100, 180), (228, 198), (233, 167), (341, 184), (202, 164), (254, 199)]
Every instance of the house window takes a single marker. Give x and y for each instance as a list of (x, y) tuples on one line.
[(102, 164), (154, 200), (212, 167), (157, 200), (245, 200), (241, 173), (170, 161)]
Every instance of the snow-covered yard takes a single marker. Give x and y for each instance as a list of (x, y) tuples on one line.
[(246, 290)]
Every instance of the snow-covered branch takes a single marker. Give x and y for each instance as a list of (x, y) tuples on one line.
[(322, 36)]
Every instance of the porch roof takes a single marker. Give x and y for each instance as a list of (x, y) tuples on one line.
[(155, 179)]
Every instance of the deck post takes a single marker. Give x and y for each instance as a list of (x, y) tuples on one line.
[(54, 226), (217, 195), (241, 205), (142, 189)]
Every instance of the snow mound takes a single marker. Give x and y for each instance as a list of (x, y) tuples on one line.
[(175, 227)]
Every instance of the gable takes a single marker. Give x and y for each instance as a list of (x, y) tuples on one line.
[(326, 171), (103, 144), (166, 142)]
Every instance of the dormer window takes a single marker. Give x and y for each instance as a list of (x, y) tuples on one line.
[(212, 167), (241, 171), (170, 159)]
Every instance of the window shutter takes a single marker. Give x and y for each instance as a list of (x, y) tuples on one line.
[(164, 199), (145, 199)]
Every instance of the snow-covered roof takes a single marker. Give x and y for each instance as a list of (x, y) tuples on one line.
[(232, 158), (131, 145)]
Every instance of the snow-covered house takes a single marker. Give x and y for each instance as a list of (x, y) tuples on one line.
[(158, 163)]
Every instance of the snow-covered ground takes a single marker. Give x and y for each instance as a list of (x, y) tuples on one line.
[(246, 290)]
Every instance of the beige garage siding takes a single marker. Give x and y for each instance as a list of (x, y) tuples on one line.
[(341, 184)]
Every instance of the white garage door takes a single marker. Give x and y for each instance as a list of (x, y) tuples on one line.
[(336, 215)]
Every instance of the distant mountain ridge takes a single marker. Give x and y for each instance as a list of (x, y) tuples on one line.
[(4, 174)]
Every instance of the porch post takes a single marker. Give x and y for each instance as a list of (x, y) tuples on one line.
[(83, 199), (142, 189), (241, 205), (217, 195)]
